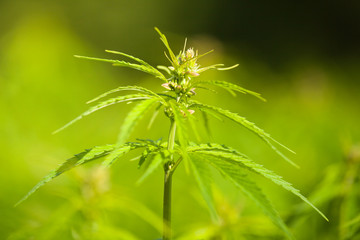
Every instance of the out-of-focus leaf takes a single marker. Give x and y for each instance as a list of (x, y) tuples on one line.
[(78, 159), (235, 158), (120, 151), (155, 163), (237, 176)]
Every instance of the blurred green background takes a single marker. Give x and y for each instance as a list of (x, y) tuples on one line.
[(302, 56)]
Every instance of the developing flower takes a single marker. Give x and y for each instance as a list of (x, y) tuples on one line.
[(191, 111), (190, 53), (193, 74), (187, 110), (166, 85)]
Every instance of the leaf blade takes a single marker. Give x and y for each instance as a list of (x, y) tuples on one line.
[(234, 157), (203, 178), (133, 117), (155, 163), (163, 38), (104, 104), (128, 88), (247, 124), (119, 151), (237, 176), (231, 87), (142, 68), (78, 159)]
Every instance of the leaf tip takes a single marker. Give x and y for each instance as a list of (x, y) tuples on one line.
[(228, 68), (18, 203), (112, 51), (56, 131), (158, 31)]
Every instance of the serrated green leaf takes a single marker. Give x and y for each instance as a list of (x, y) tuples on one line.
[(106, 103), (236, 158), (114, 155), (203, 178), (230, 87), (155, 163), (120, 150), (146, 69), (174, 60), (131, 57), (237, 176), (247, 124), (129, 88), (132, 118), (78, 159), (146, 154), (150, 142), (143, 158)]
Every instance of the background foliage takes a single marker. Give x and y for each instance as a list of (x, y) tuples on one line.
[(302, 57)]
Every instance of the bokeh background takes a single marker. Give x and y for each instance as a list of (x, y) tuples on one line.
[(302, 56)]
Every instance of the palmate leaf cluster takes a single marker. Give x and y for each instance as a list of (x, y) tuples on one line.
[(181, 84)]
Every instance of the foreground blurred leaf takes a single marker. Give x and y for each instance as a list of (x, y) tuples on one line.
[(78, 159), (235, 158), (236, 175)]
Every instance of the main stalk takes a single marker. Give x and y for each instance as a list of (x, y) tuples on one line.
[(168, 183)]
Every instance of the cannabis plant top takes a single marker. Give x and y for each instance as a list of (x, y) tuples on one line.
[(181, 81)]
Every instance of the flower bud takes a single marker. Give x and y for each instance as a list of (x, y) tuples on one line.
[(191, 111), (190, 53), (192, 73), (166, 85)]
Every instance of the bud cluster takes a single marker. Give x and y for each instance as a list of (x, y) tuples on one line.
[(182, 73), (179, 89)]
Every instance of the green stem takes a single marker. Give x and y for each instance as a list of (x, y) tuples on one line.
[(168, 183)]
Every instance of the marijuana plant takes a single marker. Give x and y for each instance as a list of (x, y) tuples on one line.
[(181, 82)]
